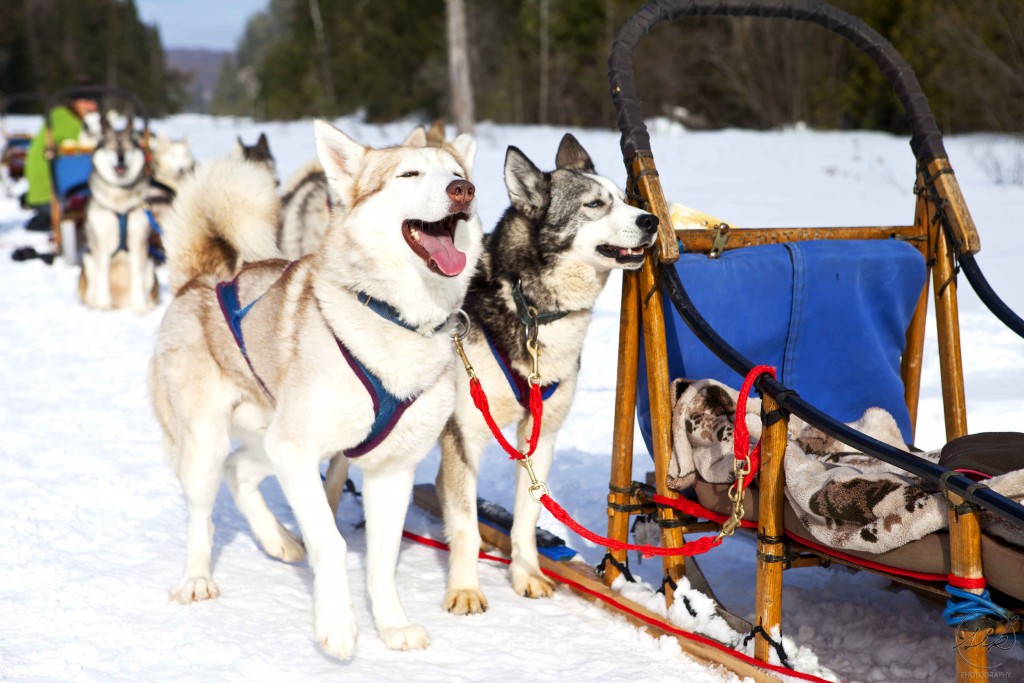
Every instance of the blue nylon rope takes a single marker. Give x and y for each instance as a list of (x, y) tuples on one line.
[(964, 605)]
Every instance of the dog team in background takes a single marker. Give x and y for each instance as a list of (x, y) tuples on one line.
[(276, 353)]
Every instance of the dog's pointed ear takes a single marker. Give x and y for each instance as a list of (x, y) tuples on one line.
[(465, 150), (571, 155), (526, 183), (417, 138), (263, 144), (435, 136), (341, 156)]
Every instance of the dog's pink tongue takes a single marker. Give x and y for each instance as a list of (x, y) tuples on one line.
[(449, 260)]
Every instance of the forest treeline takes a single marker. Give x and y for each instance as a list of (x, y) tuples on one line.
[(541, 61), (544, 61), (46, 45)]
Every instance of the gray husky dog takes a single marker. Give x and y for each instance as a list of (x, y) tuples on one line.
[(343, 351), (541, 272), (117, 271), (258, 154)]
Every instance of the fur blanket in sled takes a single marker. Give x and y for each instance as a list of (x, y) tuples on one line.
[(848, 500)]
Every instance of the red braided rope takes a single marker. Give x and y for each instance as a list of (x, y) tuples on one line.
[(965, 582), (741, 436), (697, 547), (476, 390), (693, 509)]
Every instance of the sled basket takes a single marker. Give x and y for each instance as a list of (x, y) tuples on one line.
[(683, 315)]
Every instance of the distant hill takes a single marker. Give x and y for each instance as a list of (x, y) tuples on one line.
[(203, 66)]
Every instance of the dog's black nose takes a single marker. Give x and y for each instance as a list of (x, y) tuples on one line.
[(461, 191), (648, 222)]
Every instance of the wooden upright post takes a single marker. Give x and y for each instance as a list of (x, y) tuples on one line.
[(625, 409), (913, 353), (948, 321), (661, 413), (770, 528), (964, 530)]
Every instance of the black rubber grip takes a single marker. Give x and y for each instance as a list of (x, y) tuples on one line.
[(925, 141)]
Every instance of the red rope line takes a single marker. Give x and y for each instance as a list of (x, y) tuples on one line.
[(866, 563), (664, 626), (696, 510), (693, 509), (697, 547), (476, 390), (965, 582), (741, 436)]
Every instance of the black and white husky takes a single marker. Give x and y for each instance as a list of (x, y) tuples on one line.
[(550, 255), (117, 271)]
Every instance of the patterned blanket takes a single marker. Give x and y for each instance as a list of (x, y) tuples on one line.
[(847, 500)]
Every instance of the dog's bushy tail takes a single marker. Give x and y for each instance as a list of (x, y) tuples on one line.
[(225, 215)]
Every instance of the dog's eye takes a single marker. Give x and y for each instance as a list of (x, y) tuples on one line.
[(594, 204), (409, 174), (459, 175)]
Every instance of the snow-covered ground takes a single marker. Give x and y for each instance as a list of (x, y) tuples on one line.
[(92, 524)]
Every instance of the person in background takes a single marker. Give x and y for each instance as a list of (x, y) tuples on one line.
[(67, 125)]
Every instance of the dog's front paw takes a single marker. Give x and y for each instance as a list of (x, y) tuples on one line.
[(411, 637), (337, 635), (284, 547), (465, 601), (100, 304), (194, 589), (532, 585)]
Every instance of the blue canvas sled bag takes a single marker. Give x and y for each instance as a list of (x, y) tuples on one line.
[(831, 316)]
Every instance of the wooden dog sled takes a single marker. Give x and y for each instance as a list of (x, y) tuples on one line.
[(945, 235)]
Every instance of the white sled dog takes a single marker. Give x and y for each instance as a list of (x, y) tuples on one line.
[(344, 351), (117, 271), (307, 202), (550, 255), (172, 162)]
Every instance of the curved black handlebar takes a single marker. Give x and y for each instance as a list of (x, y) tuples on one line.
[(925, 141)]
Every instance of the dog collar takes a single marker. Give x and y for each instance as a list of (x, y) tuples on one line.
[(523, 308), (390, 313)]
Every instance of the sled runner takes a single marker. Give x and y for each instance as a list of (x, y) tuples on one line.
[(560, 563), (688, 315)]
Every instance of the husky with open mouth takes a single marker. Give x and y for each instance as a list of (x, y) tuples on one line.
[(117, 270), (346, 351), (541, 273)]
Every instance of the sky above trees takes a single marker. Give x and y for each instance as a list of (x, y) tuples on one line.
[(210, 24)]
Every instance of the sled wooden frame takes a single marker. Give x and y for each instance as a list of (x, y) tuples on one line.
[(942, 229), (99, 93)]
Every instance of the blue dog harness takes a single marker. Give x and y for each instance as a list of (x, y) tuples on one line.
[(519, 385), (156, 253), (122, 233), (387, 408)]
